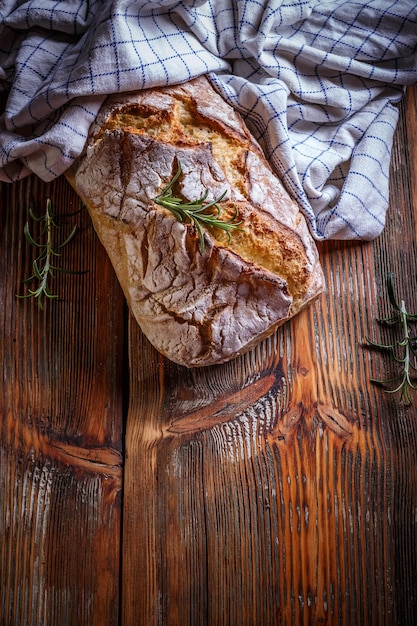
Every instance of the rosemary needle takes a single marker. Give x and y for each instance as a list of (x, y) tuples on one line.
[(198, 212)]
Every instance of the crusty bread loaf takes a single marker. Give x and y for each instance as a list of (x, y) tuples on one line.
[(196, 307)]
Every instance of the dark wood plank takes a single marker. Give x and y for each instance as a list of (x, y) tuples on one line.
[(399, 246), (280, 488), (61, 426)]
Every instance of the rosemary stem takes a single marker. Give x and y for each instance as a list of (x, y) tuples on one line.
[(403, 313), (48, 239)]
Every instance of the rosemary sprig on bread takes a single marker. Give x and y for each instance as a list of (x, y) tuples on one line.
[(198, 212)]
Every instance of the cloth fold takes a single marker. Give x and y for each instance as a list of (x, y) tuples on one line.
[(318, 84)]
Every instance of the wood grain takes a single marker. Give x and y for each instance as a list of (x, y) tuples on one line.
[(277, 489), (61, 426)]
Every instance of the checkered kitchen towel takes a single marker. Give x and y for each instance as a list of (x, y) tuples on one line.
[(317, 81)]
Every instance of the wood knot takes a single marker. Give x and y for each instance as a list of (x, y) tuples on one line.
[(335, 420)]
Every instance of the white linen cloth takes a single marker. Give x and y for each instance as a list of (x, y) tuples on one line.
[(317, 82)]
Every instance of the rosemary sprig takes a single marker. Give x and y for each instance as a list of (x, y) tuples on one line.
[(402, 352), (198, 212), (42, 266)]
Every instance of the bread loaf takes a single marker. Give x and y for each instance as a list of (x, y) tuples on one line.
[(197, 307)]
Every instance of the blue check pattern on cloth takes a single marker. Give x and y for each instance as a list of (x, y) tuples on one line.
[(317, 82)]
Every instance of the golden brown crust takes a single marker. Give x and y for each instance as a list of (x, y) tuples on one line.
[(196, 308)]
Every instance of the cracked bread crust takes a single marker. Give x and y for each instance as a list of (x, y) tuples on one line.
[(196, 308)]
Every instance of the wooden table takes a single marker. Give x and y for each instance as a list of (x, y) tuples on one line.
[(278, 489)]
